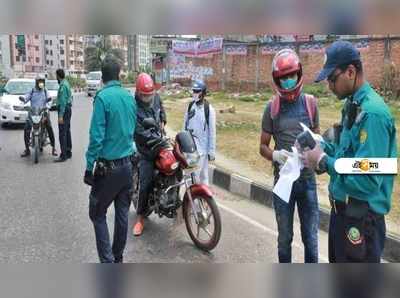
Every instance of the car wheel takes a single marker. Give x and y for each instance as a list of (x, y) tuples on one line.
[(4, 124)]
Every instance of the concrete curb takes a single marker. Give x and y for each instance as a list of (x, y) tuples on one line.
[(262, 194)]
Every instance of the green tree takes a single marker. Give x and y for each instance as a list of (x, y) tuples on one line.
[(95, 55)]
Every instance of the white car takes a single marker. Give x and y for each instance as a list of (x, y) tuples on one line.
[(52, 90), (94, 83), (12, 110)]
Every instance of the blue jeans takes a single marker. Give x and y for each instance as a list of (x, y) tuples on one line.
[(114, 187), (304, 193)]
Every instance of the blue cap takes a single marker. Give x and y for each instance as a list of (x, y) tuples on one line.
[(339, 53)]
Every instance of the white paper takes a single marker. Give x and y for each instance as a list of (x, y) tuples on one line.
[(288, 174)]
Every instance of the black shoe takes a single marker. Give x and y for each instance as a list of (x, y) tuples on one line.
[(26, 153), (119, 260), (69, 155), (60, 159), (54, 151)]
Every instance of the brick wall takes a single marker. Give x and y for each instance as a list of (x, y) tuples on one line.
[(240, 71)]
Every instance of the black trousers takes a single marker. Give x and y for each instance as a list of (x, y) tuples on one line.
[(64, 131), (146, 174), (115, 187), (375, 233)]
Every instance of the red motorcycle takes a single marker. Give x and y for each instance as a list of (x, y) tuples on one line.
[(176, 163)]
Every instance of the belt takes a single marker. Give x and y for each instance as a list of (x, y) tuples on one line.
[(339, 207), (116, 162)]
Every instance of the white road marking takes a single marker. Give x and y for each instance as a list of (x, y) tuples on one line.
[(262, 227)]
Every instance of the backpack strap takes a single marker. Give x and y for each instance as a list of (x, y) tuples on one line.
[(275, 106), (188, 113), (206, 113), (311, 106)]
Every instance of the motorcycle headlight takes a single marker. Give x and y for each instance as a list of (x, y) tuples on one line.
[(36, 119), (192, 159), (6, 106)]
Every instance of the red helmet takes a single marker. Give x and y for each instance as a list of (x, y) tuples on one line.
[(286, 62), (144, 84)]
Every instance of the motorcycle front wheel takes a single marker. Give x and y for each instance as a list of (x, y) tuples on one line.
[(205, 233), (36, 145)]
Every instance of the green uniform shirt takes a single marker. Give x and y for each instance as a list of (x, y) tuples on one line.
[(113, 124), (373, 135), (64, 97)]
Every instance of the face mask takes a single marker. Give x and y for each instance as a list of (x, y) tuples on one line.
[(41, 85), (147, 98), (196, 97), (289, 83)]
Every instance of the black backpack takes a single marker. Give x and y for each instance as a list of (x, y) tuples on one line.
[(191, 115)]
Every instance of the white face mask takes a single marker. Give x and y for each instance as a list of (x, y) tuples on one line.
[(196, 97), (41, 85)]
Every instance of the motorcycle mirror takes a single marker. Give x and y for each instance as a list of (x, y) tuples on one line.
[(21, 98), (149, 123)]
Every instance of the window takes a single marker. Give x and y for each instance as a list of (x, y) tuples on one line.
[(37, 60), (71, 62), (51, 63), (51, 42), (17, 58), (62, 52), (37, 48), (61, 41), (71, 42), (36, 36), (51, 52), (46, 42), (23, 59), (62, 63), (47, 62)]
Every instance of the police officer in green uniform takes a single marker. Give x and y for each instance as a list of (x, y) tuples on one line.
[(367, 130), (64, 108), (111, 148)]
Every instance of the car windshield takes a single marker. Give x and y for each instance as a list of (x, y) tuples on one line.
[(52, 85), (94, 76), (19, 87)]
